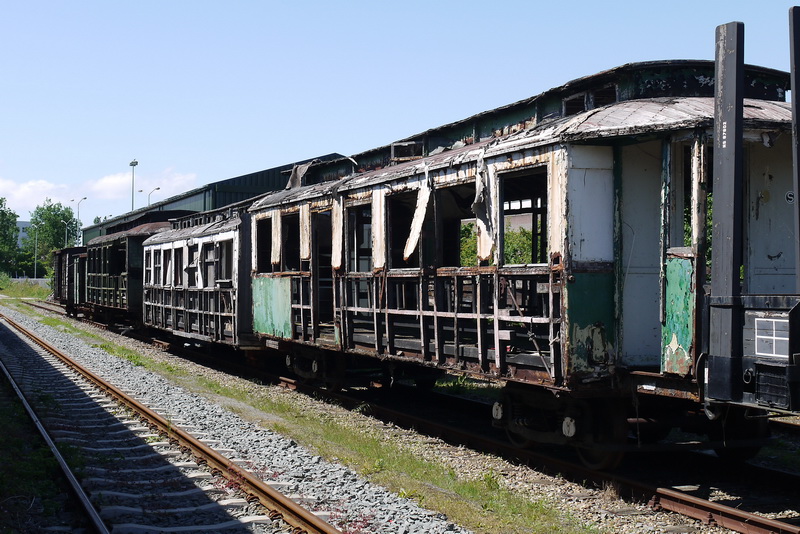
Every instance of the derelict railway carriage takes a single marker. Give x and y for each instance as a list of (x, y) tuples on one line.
[(196, 279), (607, 301), (562, 245)]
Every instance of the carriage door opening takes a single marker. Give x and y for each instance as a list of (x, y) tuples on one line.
[(323, 276), (640, 257)]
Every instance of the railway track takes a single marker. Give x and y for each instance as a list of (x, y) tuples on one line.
[(140, 469), (659, 497), (629, 484)]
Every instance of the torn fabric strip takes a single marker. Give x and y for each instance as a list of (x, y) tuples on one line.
[(378, 229), (337, 231), (305, 231), (482, 208), (277, 234), (423, 199)]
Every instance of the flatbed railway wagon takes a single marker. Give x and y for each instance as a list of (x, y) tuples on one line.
[(560, 245)]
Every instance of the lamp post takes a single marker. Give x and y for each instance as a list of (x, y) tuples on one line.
[(79, 210), (133, 165), (150, 193), (66, 227)]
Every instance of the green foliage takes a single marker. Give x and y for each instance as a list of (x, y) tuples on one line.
[(469, 245), (5, 280), (52, 226), (8, 237), (518, 245)]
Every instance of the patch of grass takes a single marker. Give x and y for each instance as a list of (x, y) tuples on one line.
[(32, 488), (25, 289), (462, 385), (482, 505), (139, 360)]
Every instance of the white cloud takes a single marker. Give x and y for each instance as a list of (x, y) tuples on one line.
[(24, 197), (107, 196)]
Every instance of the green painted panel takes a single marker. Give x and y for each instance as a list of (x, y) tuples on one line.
[(677, 333), (272, 306), (590, 305)]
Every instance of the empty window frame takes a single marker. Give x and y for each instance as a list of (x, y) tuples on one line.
[(157, 266), (359, 238), (167, 267), (400, 209), (457, 245), (209, 265), (177, 277), (290, 242), (225, 260), (264, 245), (605, 96), (148, 267), (524, 220), (574, 104), (191, 268)]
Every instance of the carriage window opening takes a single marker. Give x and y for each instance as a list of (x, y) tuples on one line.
[(148, 268), (225, 262), (400, 209), (574, 105), (156, 266), (167, 267), (191, 268), (264, 245), (458, 242), (524, 220), (605, 96), (359, 225), (683, 209), (209, 270), (177, 279), (290, 246), (117, 259), (322, 246)]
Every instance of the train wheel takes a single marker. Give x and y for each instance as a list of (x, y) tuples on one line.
[(735, 427), (518, 440), (610, 434), (599, 460)]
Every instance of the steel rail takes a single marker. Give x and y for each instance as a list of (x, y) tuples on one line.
[(281, 506), (92, 513), (658, 498)]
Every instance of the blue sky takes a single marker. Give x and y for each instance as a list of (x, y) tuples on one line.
[(200, 91)]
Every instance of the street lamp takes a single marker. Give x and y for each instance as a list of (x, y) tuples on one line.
[(66, 227), (150, 193), (133, 165), (79, 209)]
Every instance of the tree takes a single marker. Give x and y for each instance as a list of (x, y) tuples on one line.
[(8, 238), (517, 245), (53, 226)]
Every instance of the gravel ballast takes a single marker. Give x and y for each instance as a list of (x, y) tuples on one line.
[(353, 502)]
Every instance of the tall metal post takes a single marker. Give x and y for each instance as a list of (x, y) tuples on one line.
[(794, 55), (725, 336), (133, 165)]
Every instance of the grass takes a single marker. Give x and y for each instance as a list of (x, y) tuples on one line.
[(25, 289), (32, 489), (482, 505)]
